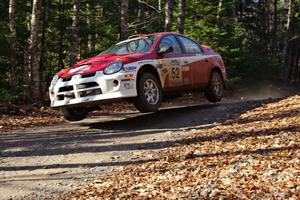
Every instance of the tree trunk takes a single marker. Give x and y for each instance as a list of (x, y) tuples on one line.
[(169, 15), (13, 45), (124, 20), (92, 22), (75, 29), (141, 15), (293, 60), (275, 27), (285, 70), (61, 34), (34, 63), (159, 5), (219, 10), (43, 60), (26, 77), (181, 16), (84, 45)]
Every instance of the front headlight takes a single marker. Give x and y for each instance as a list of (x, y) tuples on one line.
[(54, 80), (113, 68)]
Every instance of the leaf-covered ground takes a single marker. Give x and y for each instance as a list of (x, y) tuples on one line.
[(23, 118), (255, 156)]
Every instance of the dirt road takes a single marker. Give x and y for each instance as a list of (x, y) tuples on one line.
[(48, 161)]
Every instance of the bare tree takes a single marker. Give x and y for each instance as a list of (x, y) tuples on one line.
[(13, 44), (275, 27), (169, 15), (43, 60), (75, 29), (181, 16), (159, 5), (34, 63), (141, 14), (124, 20), (91, 21), (61, 34), (285, 70), (219, 9), (293, 72)]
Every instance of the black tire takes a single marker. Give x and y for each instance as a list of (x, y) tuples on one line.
[(74, 114), (214, 91), (148, 100)]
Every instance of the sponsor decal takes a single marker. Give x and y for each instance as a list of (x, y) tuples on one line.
[(165, 71), (174, 62), (171, 73), (146, 61), (159, 66), (129, 69), (185, 68), (176, 74), (128, 85), (126, 80), (128, 76)]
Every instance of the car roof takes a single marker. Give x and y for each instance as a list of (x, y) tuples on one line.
[(151, 34)]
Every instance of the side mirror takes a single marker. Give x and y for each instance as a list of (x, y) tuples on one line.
[(165, 50)]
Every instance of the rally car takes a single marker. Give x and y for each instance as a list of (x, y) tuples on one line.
[(142, 68)]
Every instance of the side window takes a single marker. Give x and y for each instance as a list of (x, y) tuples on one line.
[(170, 40), (189, 45)]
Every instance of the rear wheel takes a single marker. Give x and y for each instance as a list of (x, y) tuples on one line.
[(74, 114), (149, 93), (215, 89)]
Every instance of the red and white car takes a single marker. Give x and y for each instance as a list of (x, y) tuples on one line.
[(142, 68)]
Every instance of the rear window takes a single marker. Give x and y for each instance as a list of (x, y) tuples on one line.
[(189, 45)]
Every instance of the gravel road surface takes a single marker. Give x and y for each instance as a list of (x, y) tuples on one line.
[(48, 161)]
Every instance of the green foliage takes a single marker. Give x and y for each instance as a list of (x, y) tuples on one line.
[(241, 31), (246, 57), (8, 96)]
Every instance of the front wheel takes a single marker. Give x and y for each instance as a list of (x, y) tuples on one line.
[(74, 114), (149, 93), (215, 89)]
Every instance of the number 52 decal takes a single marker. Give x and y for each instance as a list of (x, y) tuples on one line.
[(175, 73)]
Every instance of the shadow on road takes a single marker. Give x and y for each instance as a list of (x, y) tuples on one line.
[(224, 137), (263, 151), (86, 137), (169, 118)]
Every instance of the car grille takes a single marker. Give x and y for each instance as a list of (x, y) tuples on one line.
[(88, 75), (66, 79), (65, 89), (78, 90)]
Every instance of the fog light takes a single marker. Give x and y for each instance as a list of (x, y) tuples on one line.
[(115, 83)]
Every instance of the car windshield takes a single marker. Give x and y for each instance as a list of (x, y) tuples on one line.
[(134, 45)]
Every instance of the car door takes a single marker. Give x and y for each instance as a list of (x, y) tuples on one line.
[(171, 71), (196, 62)]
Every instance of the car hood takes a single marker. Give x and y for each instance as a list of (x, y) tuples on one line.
[(99, 62)]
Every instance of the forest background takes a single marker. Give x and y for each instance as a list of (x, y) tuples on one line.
[(259, 40)]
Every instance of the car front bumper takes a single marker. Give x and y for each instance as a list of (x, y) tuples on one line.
[(83, 89)]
